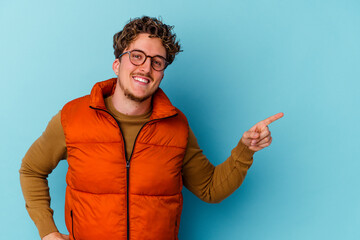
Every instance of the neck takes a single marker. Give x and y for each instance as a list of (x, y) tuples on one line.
[(127, 106)]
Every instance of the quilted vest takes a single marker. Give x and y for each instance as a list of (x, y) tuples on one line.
[(108, 197)]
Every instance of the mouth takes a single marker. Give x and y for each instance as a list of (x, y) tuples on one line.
[(141, 79)]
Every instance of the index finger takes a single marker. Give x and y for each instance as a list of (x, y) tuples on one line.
[(272, 118)]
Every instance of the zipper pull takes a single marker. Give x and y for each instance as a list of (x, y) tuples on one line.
[(127, 164)]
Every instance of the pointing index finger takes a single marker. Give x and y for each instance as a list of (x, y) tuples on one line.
[(273, 118)]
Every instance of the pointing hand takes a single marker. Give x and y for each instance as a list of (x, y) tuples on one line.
[(259, 136)]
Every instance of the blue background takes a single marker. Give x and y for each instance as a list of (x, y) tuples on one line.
[(242, 62)]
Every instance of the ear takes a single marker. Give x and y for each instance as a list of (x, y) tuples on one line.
[(115, 66)]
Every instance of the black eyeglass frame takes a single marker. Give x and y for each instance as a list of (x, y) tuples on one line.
[(146, 56)]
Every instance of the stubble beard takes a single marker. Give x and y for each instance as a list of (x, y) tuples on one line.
[(131, 96)]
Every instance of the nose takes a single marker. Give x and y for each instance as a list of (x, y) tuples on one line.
[(146, 66)]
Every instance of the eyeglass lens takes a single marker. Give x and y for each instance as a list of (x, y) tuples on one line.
[(138, 58)]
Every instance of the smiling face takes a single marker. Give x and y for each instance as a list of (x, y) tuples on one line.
[(139, 83)]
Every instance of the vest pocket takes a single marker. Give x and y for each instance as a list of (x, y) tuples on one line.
[(72, 224), (176, 230)]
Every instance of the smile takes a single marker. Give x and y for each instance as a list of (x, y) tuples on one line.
[(140, 79)]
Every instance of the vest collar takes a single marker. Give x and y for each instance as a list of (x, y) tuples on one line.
[(161, 105)]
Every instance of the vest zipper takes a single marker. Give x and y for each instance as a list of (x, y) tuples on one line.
[(128, 163), (127, 199)]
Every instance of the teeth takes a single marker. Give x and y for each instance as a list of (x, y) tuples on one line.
[(141, 79)]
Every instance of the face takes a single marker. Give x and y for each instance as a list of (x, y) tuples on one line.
[(139, 83)]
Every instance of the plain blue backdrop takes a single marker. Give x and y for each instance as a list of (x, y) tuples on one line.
[(242, 62)]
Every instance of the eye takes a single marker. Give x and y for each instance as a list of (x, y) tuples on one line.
[(158, 62), (137, 56)]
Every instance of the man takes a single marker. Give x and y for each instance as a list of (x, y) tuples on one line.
[(129, 150)]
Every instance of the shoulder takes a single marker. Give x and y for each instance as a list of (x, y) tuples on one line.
[(75, 107), (78, 101), (181, 116)]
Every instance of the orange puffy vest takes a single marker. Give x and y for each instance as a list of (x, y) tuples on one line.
[(108, 197)]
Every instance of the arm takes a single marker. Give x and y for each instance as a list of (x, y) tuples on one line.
[(213, 184), (41, 158)]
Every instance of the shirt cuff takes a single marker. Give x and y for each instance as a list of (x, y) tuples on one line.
[(46, 226), (242, 154)]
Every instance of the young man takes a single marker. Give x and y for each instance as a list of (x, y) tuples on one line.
[(129, 150)]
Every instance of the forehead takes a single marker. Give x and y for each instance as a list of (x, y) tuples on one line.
[(151, 46)]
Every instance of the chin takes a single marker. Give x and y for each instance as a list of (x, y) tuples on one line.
[(137, 98)]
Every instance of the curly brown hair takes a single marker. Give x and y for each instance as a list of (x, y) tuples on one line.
[(153, 26)]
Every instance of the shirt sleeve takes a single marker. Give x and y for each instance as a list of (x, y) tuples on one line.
[(213, 184), (39, 161)]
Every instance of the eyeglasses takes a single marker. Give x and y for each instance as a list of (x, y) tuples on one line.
[(138, 58)]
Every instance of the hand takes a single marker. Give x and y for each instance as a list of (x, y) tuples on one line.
[(259, 136), (56, 236)]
